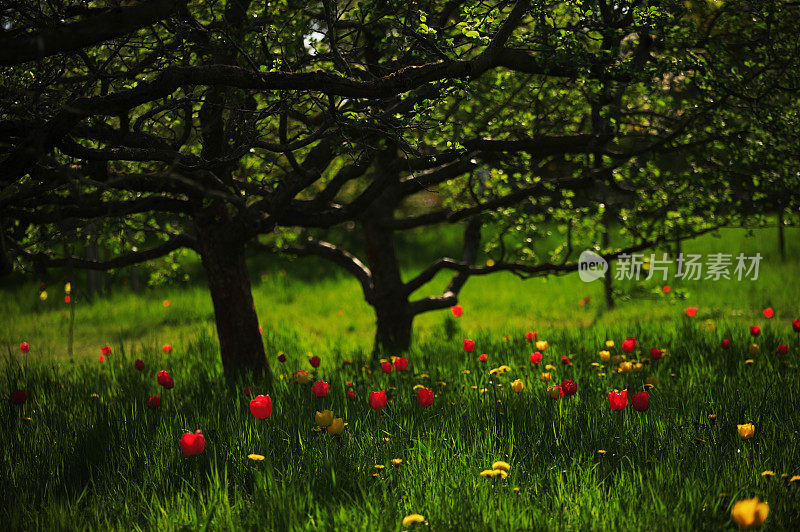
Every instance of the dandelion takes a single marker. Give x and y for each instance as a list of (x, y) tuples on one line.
[(379, 466), (750, 513), (256, 457), (768, 473), (413, 519), (397, 461), (504, 466)]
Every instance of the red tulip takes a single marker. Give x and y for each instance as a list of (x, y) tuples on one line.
[(691, 311), (726, 344), (768, 312), (755, 330), (536, 357), (457, 310), (483, 357), (618, 400), (24, 347), (666, 289), (351, 395), (796, 324), (569, 387), (386, 367), (629, 345), (101, 358), (783, 349), (400, 363), (314, 361), (139, 364), (641, 401), (469, 345), (167, 348), (320, 388), (282, 358), (67, 300), (565, 360), (154, 402), (18, 397), (106, 350), (261, 407), (166, 303), (192, 444), (531, 336), (248, 391), (162, 377), (169, 383), (656, 353), (377, 400), (425, 396)]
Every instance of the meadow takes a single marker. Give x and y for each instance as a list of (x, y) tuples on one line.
[(88, 451)]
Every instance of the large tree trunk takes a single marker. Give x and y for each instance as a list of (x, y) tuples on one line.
[(393, 313), (223, 257)]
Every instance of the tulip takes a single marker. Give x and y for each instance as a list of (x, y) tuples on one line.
[(796, 324), (483, 357), (301, 377), (609, 344), (469, 345), (281, 357), (154, 402), (618, 400), (755, 330), (67, 300), (101, 358), (517, 386), (43, 295), (750, 513), (554, 391), (400, 363), (541, 345), (248, 391), (162, 377), (629, 345), (314, 361), (261, 407), (569, 387), (24, 347), (457, 310), (656, 353), (691, 311), (536, 357), (666, 289), (336, 427), (192, 444), (746, 431), (565, 360), (641, 401), (166, 303), (544, 377), (320, 389), (726, 344), (324, 418), (139, 364), (106, 350), (167, 348), (351, 395), (531, 336), (386, 367), (19, 397), (768, 312), (605, 356), (377, 400), (169, 383), (425, 396)]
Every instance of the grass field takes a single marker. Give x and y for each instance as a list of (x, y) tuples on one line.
[(85, 451)]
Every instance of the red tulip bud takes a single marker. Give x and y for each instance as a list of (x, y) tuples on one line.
[(261, 406), (154, 402), (755, 330), (314, 361), (569, 387), (192, 444), (629, 345), (400, 363), (24, 347), (469, 345), (536, 357), (618, 400), (655, 353), (726, 344), (783, 349), (457, 310), (386, 367), (351, 395), (483, 357), (139, 364), (768, 312), (320, 389), (641, 401), (691, 311), (425, 396), (167, 348), (377, 400), (106, 350), (162, 377)]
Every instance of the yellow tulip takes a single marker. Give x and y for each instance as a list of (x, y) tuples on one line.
[(517, 386), (750, 513), (43, 295), (544, 377), (505, 466), (541, 345), (67, 288), (336, 427), (413, 519), (625, 367), (553, 392), (746, 431), (324, 418), (605, 356), (609, 344)]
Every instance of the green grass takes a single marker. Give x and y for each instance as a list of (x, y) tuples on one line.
[(109, 462)]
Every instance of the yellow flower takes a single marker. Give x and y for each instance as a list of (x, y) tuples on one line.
[(625, 367), (601, 451), (746, 431), (505, 466), (768, 473), (418, 386), (301, 377), (94, 396), (753, 350), (750, 513), (605, 356), (609, 344), (324, 418), (379, 466), (541, 345), (553, 392), (256, 457), (749, 361), (549, 367), (336, 427), (466, 371), (413, 519), (43, 295), (494, 473), (517, 386), (67, 288), (638, 367), (601, 374), (794, 478), (397, 461), (424, 376), (544, 377)]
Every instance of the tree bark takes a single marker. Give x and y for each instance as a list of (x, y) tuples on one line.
[(224, 261), (608, 279)]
